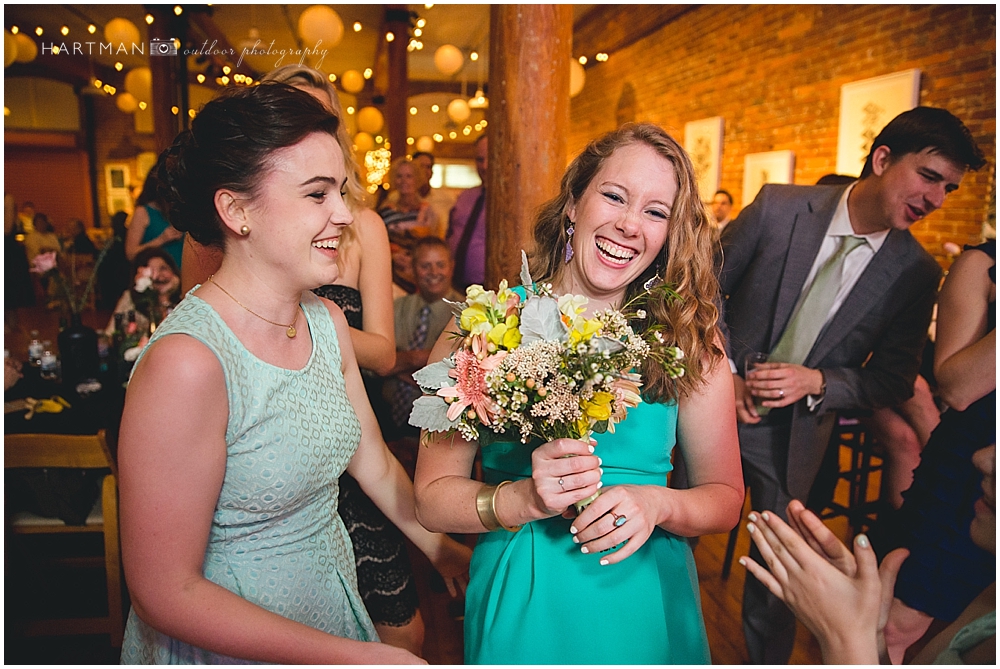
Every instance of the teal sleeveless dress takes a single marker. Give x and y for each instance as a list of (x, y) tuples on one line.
[(276, 537), (534, 598)]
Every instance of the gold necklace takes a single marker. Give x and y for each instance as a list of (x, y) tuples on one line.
[(289, 329)]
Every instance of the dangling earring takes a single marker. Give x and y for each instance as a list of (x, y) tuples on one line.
[(245, 230), (569, 241)]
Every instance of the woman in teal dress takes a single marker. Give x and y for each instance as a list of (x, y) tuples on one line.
[(248, 405), (617, 583), (149, 227)]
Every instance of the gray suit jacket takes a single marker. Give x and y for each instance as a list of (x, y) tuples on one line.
[(869, 351)]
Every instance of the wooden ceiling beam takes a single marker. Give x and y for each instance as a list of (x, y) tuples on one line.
[(610, 28)]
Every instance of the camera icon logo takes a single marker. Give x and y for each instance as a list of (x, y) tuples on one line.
[(162, 47)]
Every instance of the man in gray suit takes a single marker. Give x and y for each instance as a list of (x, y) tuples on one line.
[(830, 284)]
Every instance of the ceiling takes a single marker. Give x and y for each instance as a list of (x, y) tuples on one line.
[(241, 25)]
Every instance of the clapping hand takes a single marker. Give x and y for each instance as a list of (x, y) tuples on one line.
[(842, 598)]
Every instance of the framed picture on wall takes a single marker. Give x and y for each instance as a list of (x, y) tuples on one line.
[(866, 107), (703, 142), (770, 167), (116, 185)]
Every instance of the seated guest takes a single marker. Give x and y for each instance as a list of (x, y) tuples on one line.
[(153, 270), (42, 238), (843, 598), (81, 241), (407, 217), (420, 319)]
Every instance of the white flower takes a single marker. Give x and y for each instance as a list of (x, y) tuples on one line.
[(641, 313)]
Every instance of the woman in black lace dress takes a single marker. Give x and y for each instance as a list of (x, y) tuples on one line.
[(385, 577)]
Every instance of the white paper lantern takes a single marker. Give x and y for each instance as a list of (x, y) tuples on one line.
[(320, 25), (126, 102), (577, 77), (425, 144), (121, 32), (364, 141), (448, 59), (139, 82), (370, 119), (458, 110), (352, 81), (9, 48), (26, 48)]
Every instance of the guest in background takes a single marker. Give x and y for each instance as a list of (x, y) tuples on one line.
[(18, 289), (467, 227), (152, 270), (946, 569), (149, 227), (42, 238), (114, 272), (26, 217), (829, 282), (407, 217), (437, 198), (420, 318), (80, 242), (722, 208)]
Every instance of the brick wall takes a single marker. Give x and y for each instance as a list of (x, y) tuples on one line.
[(774, 74)]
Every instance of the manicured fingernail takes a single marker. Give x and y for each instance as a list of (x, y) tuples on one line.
[(743, 562), (584, 549), (573, 530), (591, 447), (576, 540), (600, 484), (599, 461), (862, 541), (604, 563), (750, 528), (600, 471), (765, 516), (752, 517)]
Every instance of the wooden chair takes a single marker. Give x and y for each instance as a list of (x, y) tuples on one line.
[(75, 452)]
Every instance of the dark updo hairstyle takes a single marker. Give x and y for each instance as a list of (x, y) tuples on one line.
[(685, 263), (229, 146)]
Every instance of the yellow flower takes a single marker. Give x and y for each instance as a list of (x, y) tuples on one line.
[(476, 296), (583, 330), (598, 408), (572, 306), (506, 334), (473, 315)]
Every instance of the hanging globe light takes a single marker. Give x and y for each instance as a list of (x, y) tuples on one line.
[(370, 119), (320, 25), (121, 33), (139, 82), (27, 50), (425, 144), (448, 59), (577, 77), (364, 142), (458, 110), (126, 102), (352, 81), (9, 48)]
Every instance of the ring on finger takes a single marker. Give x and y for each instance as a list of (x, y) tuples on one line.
[(781, 394), (561, 482), (620, 519)]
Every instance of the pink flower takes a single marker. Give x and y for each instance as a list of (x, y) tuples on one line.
[(44, 262), (470, 389)]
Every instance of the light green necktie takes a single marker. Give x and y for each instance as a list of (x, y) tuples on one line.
[(813, 309)]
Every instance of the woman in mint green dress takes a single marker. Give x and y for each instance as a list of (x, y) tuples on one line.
[(247, 406), (617, 583)]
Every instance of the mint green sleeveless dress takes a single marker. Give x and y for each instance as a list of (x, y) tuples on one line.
[(534, 598), (276, 538)]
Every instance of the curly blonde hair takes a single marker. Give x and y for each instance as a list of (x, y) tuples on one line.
[(685, 263)]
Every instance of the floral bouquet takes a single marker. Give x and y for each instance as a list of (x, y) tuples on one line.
[(531, 366)]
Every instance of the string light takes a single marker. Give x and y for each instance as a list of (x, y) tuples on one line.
[(225, 81), (178, 10), (15, 30), (368, 73), (413, 111), (55, 50), (379, 139), (149, 19), (453, 134), (410, 141), (602, 57), (226, 69), (200, 78), (583, 60), (64, 30), (39, 31), (389, 37), (119, 66), (174, 110), (438, 137), (357, 26), (192, 113), (421, 23), (350, 110), (142, 105), (91, 29), (332, 78), (417, 32), (474, 56), (435, 108), (98, 83)]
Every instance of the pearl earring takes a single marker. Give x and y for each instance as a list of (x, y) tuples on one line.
[(245, 230)]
